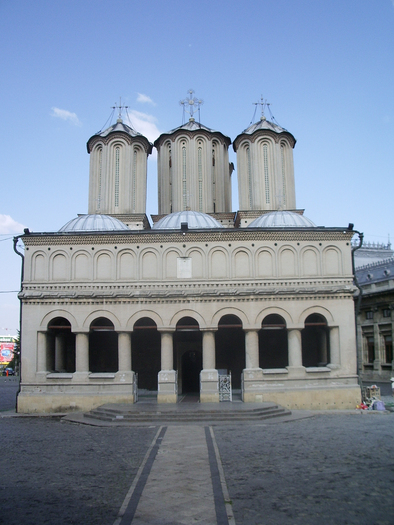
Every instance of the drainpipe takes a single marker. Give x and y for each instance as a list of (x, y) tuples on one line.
[(16, 239), (358, 303)]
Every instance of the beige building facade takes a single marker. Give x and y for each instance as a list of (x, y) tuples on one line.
[(112, 306)]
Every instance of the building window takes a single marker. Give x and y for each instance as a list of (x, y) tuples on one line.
[(387, 312), (134, 179), (266, 174), (199, 160), (100, 170), (184, 187), (250, 180), (117, 162), (370, 349), (388, 348), (283, 158), (369, 315)]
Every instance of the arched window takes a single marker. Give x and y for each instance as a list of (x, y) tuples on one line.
[(103, 346), (117, 172), (273, 346), (184, 177), (188, 354), (250, 177), (230, 348), (266, 174), (283, 160), (61, 346), (199, 162), (146, 356), (99, 177), (315, 341)]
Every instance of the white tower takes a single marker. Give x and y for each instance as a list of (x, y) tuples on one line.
[(118, 173), (193, 167), (265, 167)]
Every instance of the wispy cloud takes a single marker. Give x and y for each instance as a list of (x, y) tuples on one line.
[(144, 99), (8, 225), (66, 115), (144, 124)]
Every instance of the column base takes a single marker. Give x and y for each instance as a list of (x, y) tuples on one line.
[(252, 385), (167, 386), (209, 386), (296, 372)]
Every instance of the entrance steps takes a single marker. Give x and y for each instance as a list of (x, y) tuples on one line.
[(219, 413)]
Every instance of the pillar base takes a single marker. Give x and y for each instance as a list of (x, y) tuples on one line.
[(80, 377), (167, 386), (296, 372), (209, 389), (252, 384)]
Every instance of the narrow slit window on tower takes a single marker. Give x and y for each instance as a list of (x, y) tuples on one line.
[(184, 187), (249, 161), (283, 158), (134, 178), (117, 162), (266, 175), (100, 171), (200, 179)]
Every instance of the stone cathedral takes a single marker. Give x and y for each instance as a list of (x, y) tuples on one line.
[(114, 303)]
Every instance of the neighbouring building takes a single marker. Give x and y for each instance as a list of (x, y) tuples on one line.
[(112, 304)]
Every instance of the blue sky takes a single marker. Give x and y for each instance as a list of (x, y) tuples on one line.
[(326, 67)]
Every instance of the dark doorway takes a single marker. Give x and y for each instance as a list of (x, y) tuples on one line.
[(273, 345), (230, 348), (59, 334), (188, 355), (146, 353), (315, 341), (103, 346)]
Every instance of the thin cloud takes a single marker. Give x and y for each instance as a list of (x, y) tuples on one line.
[(8, 225), (66, 115), (144, 124), (144, 99)]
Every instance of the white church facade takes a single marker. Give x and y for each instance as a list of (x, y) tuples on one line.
[(112, 304)]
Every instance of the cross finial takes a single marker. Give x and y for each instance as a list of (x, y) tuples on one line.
[(264, 104), (119, 107), (191, 104)]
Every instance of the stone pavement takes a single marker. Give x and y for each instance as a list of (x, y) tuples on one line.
[(329, 468)]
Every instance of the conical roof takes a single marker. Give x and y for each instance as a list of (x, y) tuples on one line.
[(118, 127), (192, 125), (263, 125)]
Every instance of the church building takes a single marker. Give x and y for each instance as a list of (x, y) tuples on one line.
[(114, 304)]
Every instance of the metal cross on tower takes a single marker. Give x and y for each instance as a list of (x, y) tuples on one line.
[(120, 107), (264, 104), (191, 104)]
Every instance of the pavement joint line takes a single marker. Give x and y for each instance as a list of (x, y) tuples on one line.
[(226, 495), (218, 496), (130, 503)]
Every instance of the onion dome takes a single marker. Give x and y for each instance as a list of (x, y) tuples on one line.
[(282, 219), (93, 222), (195, 221)]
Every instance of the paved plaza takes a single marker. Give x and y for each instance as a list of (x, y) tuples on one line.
[(327, 468)]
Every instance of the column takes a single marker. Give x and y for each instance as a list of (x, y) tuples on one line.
[(42, 368), (295, 367), (168, 378), (81, 357), (125, 374), (376, 337), (252, 349), (60, 353), (252, 375), (209, 376), (335, 358)]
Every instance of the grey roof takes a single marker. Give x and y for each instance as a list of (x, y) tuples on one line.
[(119, 127), (262, 125), (375, 272), (195, 221), (93, 222), (191, 125), (282, 219)]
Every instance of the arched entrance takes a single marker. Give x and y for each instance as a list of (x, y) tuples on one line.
[(103, 346), (273, 345), (145, 351), (188, 355), (315, 341), (60, 346), (230, 348)]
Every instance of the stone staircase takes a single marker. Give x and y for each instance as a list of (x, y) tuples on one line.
[(219, 413)]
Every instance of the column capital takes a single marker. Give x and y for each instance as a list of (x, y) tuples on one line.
[(166, 329)]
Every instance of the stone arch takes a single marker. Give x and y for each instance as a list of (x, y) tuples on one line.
[(310, 261), (198, 257), (170, 262), (81, 264), (149, 264), (287, 261), (60, 345), (103, 345), (58, 313), (218, 263), (316, 310), (230, 347), (229, 310), (146, 351), (102, 313), (59, 266), (142, 314), (265, 262), (39, 270), (126, 264), (241, 262), (103, 265), (188, 313), (315, 341), (273, 342), (332, 261), (269, 310)]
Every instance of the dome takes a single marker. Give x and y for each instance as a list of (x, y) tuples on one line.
[(93, 222), (282, 219), (195, 221)]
